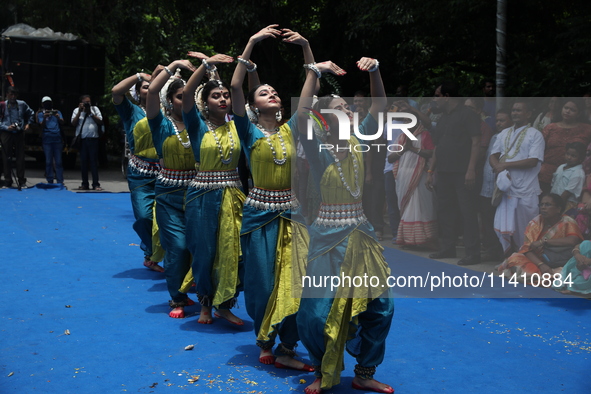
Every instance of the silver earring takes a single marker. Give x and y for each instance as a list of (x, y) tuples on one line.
[(250, 113), (257, 112), (206, 110), (278, 116)]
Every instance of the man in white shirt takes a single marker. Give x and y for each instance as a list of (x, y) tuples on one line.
[(88, 122), (517, 157)]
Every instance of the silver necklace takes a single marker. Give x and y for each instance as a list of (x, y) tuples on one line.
[(212, 128), (267, 134), (355, 194), (186, 144)]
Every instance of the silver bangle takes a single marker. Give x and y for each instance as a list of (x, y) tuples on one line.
[(207, 66), (168, 71), (374, 68), (211, 72), (139, 77), (247, 63), (312, 67)]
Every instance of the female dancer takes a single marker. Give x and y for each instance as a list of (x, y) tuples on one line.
[(178, 169), (343, 243), (214, 199), (274, 240), (143, 163)]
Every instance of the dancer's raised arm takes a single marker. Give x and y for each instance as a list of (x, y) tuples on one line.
[(310, 88), (141, 80), (238, 77), (153, 101), (198, 74), (377, 91), (213, 74), (293, 37), (253, 74), (118, 92)]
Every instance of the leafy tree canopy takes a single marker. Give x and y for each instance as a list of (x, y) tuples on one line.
[(417, 43)]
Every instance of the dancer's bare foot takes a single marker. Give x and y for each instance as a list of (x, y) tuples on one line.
[(205, 315), (289, 362), (152, 265), (229, 316), (177, 313), (314, 388), (178, 308), (266, 356), (371, 385)]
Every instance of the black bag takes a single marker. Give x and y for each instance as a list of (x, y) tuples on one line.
[(76, 142)]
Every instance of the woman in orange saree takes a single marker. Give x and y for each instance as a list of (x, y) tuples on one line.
[(549, 238)]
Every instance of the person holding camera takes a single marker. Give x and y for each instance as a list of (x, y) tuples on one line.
[(15, 118), (88, 121), (51, 120)]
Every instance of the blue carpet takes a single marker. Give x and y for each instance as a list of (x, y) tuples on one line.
[(80, 314)]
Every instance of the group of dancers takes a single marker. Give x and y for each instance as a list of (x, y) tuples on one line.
[(192, 214)]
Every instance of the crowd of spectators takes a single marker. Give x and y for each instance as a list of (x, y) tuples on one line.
[(476, 174), (17, 118)]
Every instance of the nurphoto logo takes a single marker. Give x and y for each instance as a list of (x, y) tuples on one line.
[(317, 121)]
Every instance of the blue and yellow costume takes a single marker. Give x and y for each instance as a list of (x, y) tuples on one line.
[(274, 238), (343, 243), (141, 176), (177, 171), (213, 210)]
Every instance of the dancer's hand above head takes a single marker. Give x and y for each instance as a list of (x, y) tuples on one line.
[(219, 58), (145, 77), (269, 31), (197, 55), (366, 63), (179, 64), (330, 67), (184, 64), (240, 71), (159, 68), (293, 37), (311, 85)]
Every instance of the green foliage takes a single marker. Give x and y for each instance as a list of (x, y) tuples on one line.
[(417, 43)]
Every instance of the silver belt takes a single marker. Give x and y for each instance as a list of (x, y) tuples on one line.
[(216, 179), (340, 215), (271, 200), (176, 177), (144, 167)]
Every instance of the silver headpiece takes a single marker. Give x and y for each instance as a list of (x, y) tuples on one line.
[(165, 104)]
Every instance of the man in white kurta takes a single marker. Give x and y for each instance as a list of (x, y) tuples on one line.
[(519, 150)]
